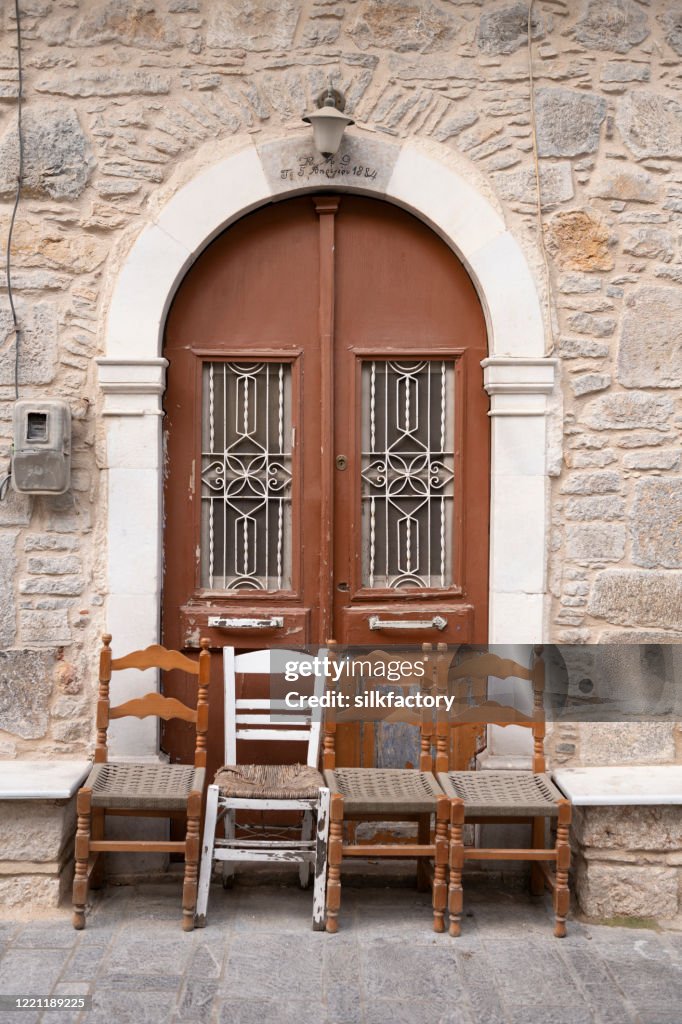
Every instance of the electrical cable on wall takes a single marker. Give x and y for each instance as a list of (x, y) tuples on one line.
[(5, 482), (20, 177), (543, 248)]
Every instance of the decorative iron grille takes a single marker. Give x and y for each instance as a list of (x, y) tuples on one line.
[(407, 473), (246, 476)]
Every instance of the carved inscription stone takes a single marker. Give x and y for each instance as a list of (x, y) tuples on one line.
[(360, 163)]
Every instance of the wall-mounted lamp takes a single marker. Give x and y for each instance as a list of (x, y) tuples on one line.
[(329, 122)]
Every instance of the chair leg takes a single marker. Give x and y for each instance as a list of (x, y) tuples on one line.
[(207, 855), (441, 860), (82, 856), (228, 871), (455, 892), (537, 878), (423, 838), (189, 888), (321, 857), (306, 835), (562, 894), (335, 858)]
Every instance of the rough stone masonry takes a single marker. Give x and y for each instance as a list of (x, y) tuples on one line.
[(120, 93)]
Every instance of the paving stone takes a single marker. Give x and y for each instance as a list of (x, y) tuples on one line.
[(167, 955), (23, 972), (131, 1007), (44, 935), (257, 1010)]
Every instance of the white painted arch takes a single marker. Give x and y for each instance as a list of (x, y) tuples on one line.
[(420, 177)]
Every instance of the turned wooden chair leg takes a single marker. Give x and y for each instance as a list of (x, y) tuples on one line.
[(440, 891), (207, 853), (321, 862), (537, 878), (82, 856), (189, 888), (562, 894), (306, 835), (423, 838), (455, 892), (335, 854)]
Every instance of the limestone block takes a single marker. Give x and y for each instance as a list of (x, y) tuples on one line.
[(647, 439), (31, 890), (403, 25), (627, 412), (505, 29), (58, 159), (556, 185), (638, 598), (595, 508), (651, 244), (620, 71), (630, 828), (638, 636), (25, 689), (582, 348), (650, 350), (616, 25), (37, 243), (595, 326), (64, 586), (672, 21), (568, 122), (44, 628), (38, 346), (105, 83), (579, 240), (656, 523), (8, 565), (130, 22), (590, 382), (652, 460), (595, 542), (591, 483), (651, 124), (626, 184), (35, 830), (55, 566), (253, 24), (15, 509), (626, 890)]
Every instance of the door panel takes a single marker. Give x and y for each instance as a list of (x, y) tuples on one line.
[(326, 441)]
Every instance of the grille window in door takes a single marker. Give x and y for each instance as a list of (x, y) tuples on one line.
[(408, 473), (246, 476)]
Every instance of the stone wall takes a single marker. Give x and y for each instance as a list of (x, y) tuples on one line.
[(121, 94)]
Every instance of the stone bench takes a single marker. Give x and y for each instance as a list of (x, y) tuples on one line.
[(37, 828), (627, 838)]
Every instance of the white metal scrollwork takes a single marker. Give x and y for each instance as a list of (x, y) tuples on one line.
[(407, 473), (246, 476)]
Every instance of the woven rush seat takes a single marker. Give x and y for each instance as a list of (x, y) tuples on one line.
[(384, 790), (516, 794), (269, 781), (144, 786)]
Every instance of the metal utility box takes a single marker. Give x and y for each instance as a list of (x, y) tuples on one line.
[(41, 463)]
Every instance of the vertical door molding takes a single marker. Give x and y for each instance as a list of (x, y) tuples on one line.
[(132, 415)]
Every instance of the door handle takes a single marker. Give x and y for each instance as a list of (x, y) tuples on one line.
[(218, 622), (437, 622)]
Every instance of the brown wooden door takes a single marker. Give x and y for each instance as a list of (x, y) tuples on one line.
[(327, 442)]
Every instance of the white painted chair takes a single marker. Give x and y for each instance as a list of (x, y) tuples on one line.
[(290, 787)]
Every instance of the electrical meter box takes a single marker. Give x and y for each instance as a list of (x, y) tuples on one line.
[(41, 463)]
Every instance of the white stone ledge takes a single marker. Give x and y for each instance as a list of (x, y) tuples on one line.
[(629, 785), (41, 780)]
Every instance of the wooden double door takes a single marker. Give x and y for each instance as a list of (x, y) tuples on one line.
[(327, 439)]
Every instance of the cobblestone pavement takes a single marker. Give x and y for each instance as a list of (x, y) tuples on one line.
[(258, 962)]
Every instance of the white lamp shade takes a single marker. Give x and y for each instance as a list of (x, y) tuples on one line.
[(329, 125)]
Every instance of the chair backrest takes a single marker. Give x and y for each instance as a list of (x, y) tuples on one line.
[(424, 720), (478, 669), (268, 718), (154, 703)]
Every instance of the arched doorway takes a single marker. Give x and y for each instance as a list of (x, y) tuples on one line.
[(343, 320)]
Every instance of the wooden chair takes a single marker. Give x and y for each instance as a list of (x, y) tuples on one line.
[(505, 797), (144, 790), (258, 787), (388, 794)]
